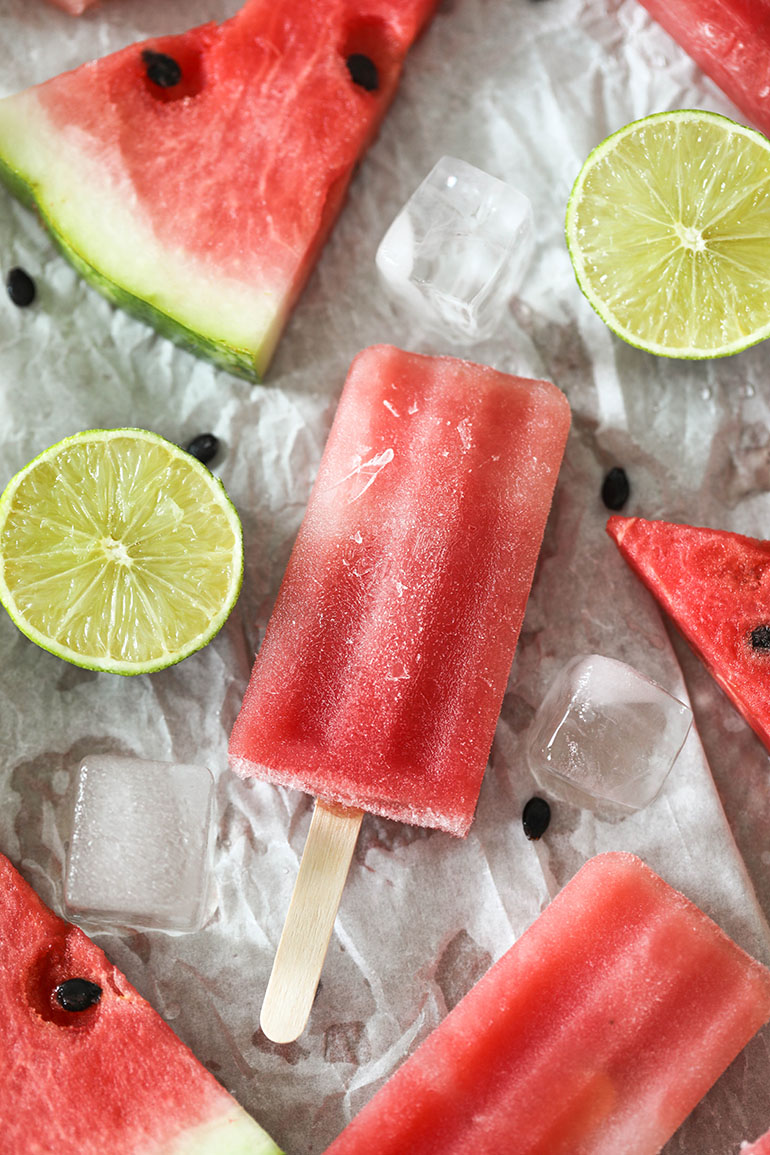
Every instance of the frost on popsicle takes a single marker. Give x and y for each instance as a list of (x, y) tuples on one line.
[(730, 40), (381, 676), (598, 1032)]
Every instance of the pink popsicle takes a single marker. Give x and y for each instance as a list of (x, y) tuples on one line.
[(730, 40), (596, 1034), (380, 679)]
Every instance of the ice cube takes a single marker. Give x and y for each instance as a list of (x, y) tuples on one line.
[(140, 844), (458, 250), (605, 730)]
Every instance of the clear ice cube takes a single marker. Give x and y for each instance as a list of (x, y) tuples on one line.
[(605, 730), (458, 250), (140, 844)]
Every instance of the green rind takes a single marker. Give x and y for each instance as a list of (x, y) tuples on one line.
[(594, 301), (105, 666), (240, 362), (240, 1135)]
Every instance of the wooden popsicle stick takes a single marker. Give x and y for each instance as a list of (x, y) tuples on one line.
[(309, 921)]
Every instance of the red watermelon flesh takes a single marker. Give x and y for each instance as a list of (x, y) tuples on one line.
[(716, 587), (203, 206), (109, 1079), (730, 40)]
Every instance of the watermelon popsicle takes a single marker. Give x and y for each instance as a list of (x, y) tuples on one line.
[(730, 41), (382, 672), (596, 1034)]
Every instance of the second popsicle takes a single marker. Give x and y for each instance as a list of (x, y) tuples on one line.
[(382, 672)]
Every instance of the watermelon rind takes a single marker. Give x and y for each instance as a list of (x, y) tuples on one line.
[(243, 355), (203, 210), (237, 1134)]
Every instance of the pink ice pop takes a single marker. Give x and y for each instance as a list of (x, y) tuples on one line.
[(730, 40), (381, 676), (596, 1034)]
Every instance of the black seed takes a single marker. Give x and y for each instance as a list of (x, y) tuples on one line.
[(760, 638), (21, 287), (535, 818), (161, 69), (205, 447), (78, 994), (363, 71), (615, 488)]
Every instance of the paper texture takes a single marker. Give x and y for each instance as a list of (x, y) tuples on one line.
[(523, 89)]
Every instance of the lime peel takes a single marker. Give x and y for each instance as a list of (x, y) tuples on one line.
[(668, 231), (119, 551)]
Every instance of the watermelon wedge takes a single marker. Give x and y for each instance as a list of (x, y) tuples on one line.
[(193, 179), (716, 587), (87, 1065), (730, 40)]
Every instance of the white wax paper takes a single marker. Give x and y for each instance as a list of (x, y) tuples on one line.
[(523, 89)]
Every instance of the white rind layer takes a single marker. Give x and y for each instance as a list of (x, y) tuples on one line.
[(234, 1133), (97, 219)]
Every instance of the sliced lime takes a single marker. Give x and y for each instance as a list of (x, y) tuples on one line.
[(118, 551), (668, 229)]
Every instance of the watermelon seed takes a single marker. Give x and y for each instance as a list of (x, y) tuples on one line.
[(760, 638), (161, 69), (77, 994), (21, 287), (535, 818), (205, 447), (615, 488), (363, 71)]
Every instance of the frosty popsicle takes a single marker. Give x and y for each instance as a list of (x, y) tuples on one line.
[(597, 1033), (380, 679), (730, 40)]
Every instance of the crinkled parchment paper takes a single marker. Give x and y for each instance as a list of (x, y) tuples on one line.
[(523, 89)]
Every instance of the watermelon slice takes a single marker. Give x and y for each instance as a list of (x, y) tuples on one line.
[(87, 1065), (194, 178), (730, 40), (716, 587)]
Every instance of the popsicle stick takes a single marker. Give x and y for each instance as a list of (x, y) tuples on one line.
[(309, 921)]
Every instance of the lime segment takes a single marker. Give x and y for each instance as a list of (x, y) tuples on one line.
[(118, 551), (668, 229)]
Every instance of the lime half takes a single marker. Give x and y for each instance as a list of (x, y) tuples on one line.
[(118, 551), (668, 229)]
